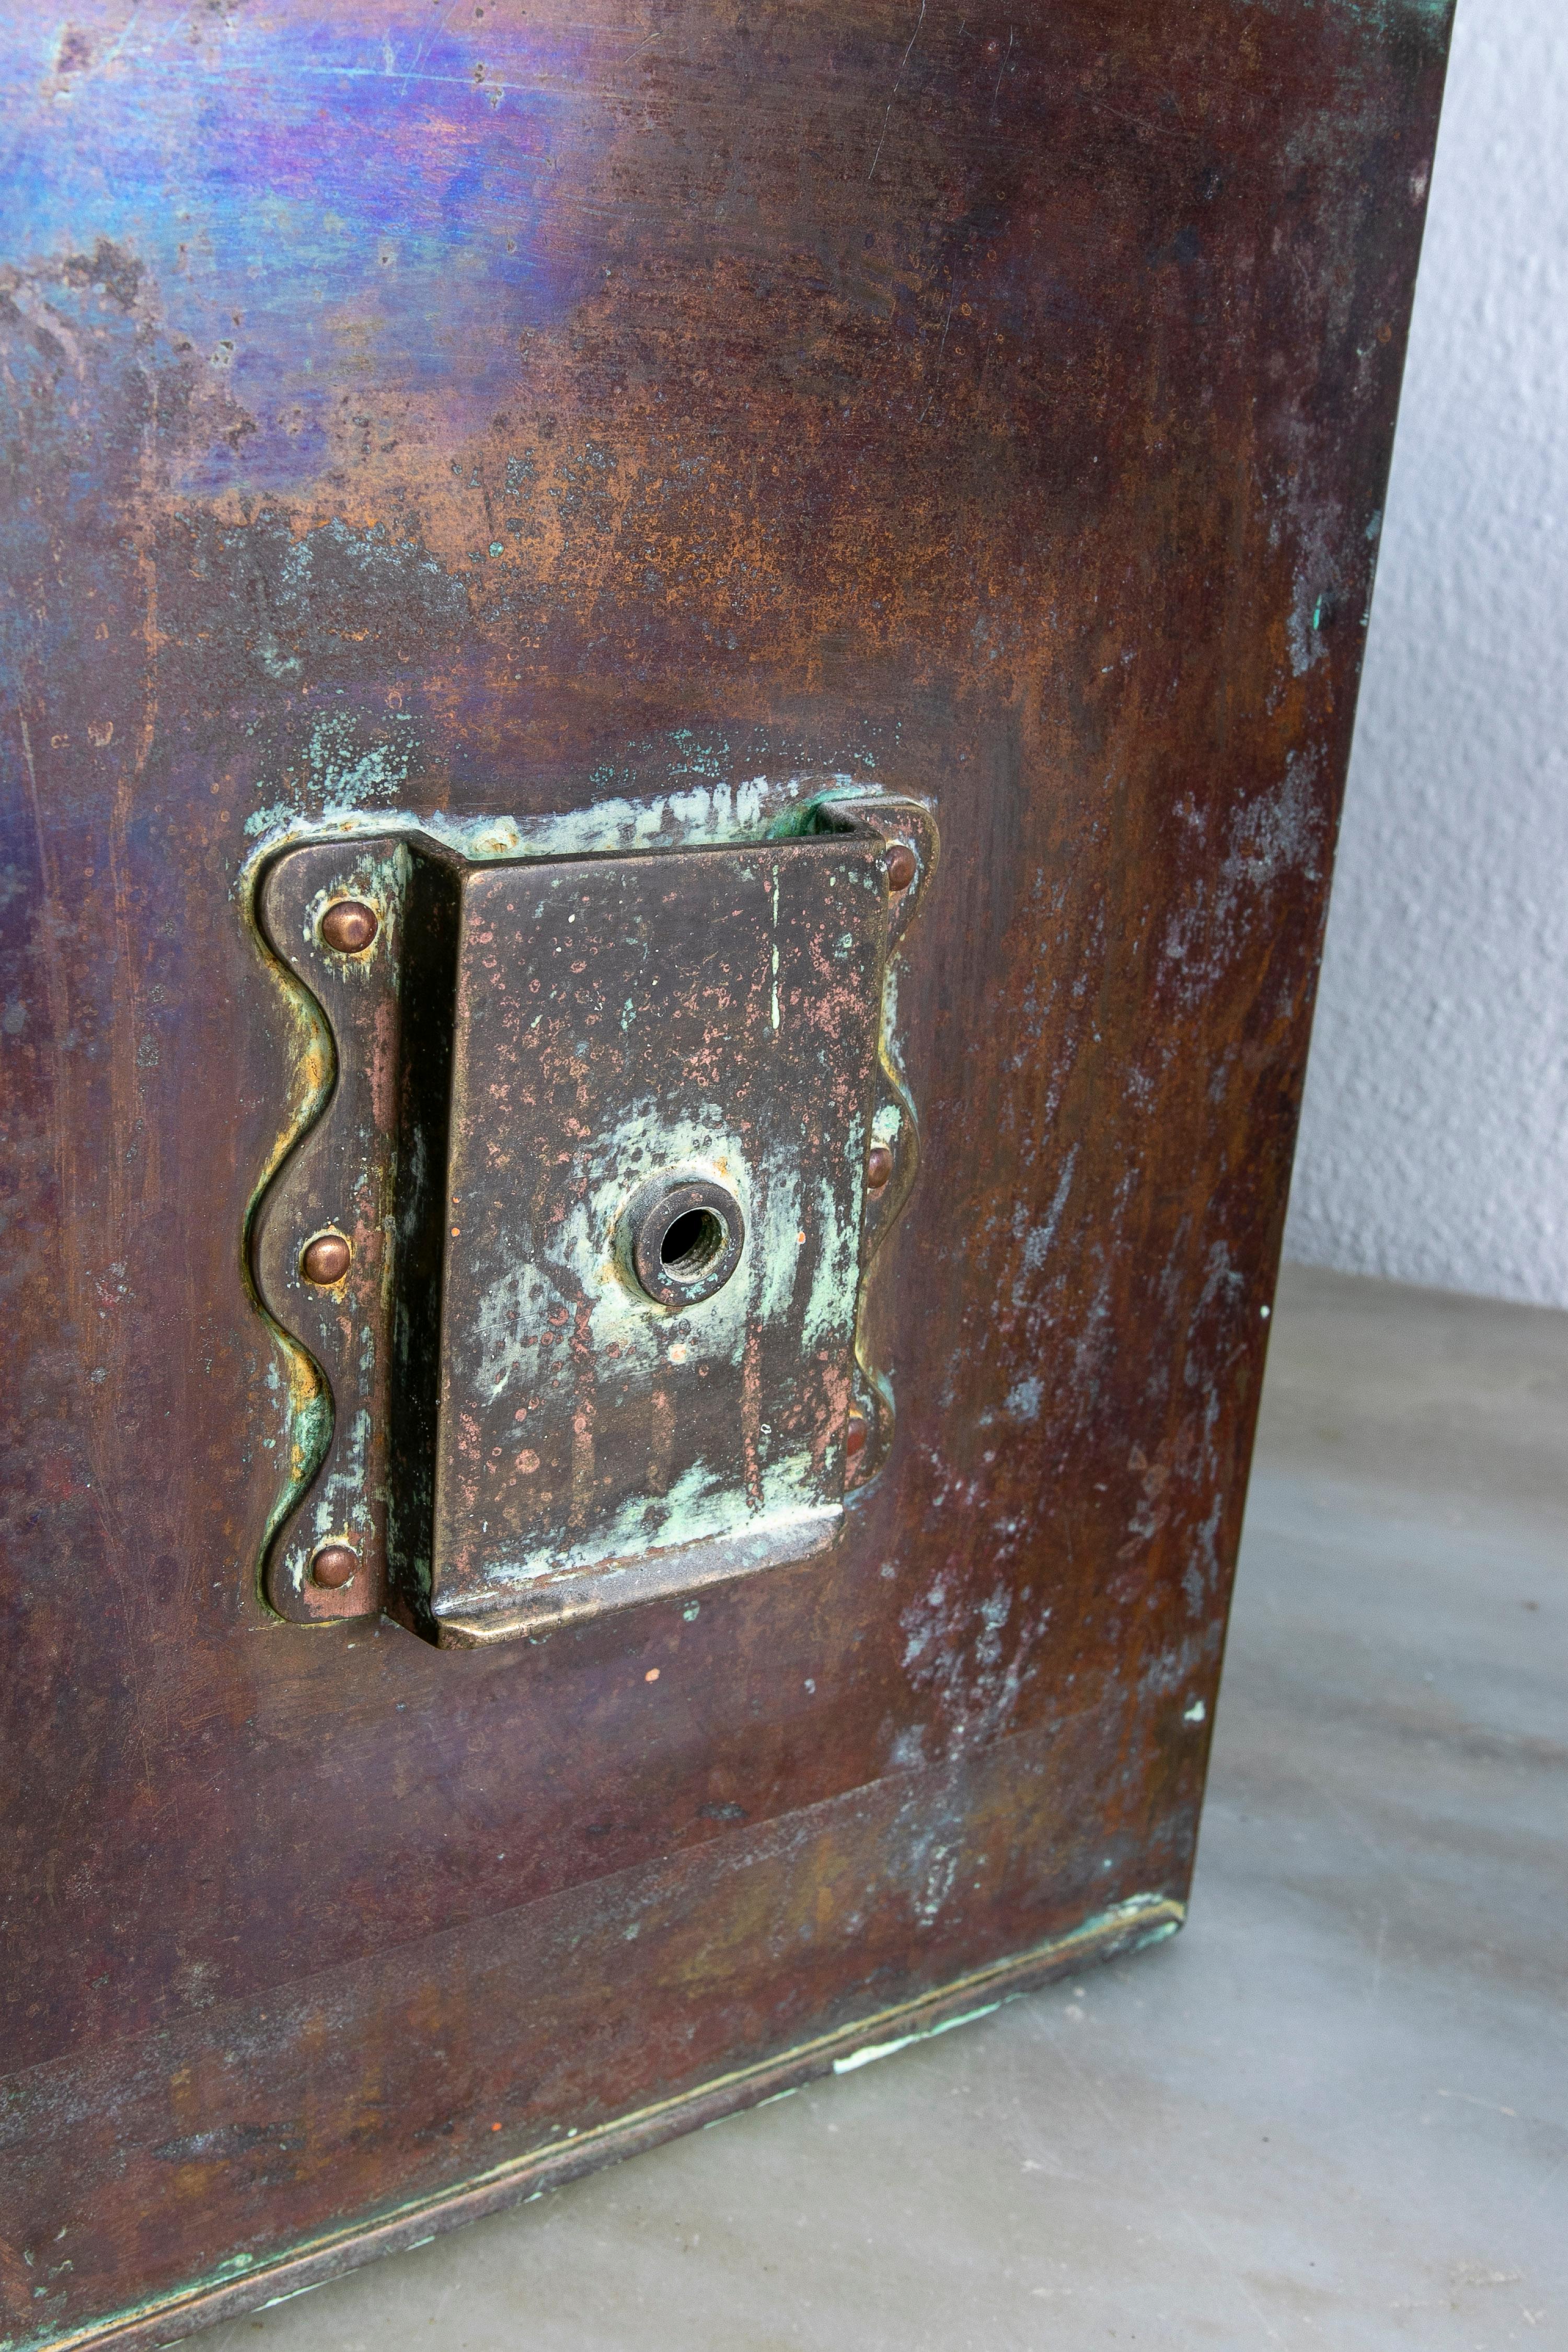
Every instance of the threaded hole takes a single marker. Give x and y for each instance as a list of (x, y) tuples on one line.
[(695, 1239)]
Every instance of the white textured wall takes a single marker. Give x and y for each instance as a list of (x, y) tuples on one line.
[(1435, 1140)]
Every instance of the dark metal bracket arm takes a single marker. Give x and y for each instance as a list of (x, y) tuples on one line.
[(573, 1256)]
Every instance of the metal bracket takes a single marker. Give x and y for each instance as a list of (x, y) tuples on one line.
[(578, 1239)]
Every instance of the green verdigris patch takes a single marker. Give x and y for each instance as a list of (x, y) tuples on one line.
[(616, 1022)]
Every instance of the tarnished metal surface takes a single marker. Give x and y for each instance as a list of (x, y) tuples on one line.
[(519, 1407), (333, 916), (626, 1024), (599, 431)]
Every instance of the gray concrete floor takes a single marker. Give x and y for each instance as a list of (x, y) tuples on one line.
[(1333, 2112)]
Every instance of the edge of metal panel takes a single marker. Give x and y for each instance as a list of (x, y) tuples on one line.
[(574, 1598), (1129, 1926)]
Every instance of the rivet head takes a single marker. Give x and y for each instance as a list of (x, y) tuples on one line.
[(326, 1259), (856, 1430), (349, 926), (899, 865), (334, 1565), (878, 1167)]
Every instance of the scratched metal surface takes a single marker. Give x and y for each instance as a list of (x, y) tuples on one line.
[(579, 429), (716, 1012)]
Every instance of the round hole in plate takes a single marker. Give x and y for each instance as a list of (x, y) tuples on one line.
[(691, 1244), (687, 1235)]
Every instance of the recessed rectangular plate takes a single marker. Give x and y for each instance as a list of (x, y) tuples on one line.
[(621, 1024)]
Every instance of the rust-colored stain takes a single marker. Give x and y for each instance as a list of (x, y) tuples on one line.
[(608, 431)]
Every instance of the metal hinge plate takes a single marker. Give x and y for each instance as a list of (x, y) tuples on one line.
[(577, 1242)]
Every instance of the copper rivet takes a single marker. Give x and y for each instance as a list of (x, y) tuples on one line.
[(899, 865), (348, 925), (334, 1565), (326, 1259), (856, 1430), (878, 1167)]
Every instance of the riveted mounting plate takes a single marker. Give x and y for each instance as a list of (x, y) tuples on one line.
[(599, 1136)]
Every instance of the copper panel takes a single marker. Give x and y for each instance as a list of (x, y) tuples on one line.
[(591, 433)]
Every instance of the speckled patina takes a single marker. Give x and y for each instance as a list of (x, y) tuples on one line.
[(495, 1422)]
